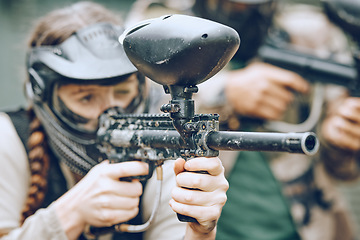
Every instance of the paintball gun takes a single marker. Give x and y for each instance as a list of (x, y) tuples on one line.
[(311, 67), (346, 14), (179, 52)]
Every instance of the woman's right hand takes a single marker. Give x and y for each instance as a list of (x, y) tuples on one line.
[(100, 199)]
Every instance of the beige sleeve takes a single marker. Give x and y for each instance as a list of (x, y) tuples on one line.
[(43, 225), (165, 225), (14, 182)]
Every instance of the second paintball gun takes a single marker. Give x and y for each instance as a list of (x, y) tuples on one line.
[(311, 67), (179, 52), (345, 14)]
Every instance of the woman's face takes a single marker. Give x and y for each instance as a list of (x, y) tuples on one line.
[(90, 101)]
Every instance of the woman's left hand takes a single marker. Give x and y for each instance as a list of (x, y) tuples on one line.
[(199, 195)]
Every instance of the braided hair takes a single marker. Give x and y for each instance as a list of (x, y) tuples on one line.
[(39, 165), (53, 29)]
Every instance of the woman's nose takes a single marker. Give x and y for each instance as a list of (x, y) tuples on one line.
[(108, 102)]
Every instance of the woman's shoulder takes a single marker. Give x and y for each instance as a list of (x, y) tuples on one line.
[(10, 138), (14, 173), (19, 120), (12, 117), (6, 125)]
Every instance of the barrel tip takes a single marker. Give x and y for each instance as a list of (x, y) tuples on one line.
[(310, 144)]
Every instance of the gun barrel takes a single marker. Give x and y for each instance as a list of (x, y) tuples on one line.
[(306, 143)]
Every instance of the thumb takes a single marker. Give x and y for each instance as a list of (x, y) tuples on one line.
[(179, 166)]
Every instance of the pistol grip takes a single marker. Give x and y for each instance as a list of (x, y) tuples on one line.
[(92, 232), (184, 218)]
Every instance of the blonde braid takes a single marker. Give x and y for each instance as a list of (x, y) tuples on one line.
[(39, 165)]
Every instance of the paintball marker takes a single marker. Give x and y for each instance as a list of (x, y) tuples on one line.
[(179, 52), (344, 13), (311, 67)]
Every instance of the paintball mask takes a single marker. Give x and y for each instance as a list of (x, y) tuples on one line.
[(250, 18), (93, 56)]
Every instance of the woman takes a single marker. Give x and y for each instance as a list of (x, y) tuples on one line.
[(52, 184)]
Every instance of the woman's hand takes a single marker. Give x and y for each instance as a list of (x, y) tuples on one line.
[(100, 198), (262, 90), (199, 195), (341, 128)]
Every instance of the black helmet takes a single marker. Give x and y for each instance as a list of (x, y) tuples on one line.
[(250, 18), (92, 55)]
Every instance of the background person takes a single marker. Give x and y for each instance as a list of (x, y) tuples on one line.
[(271, 196)]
